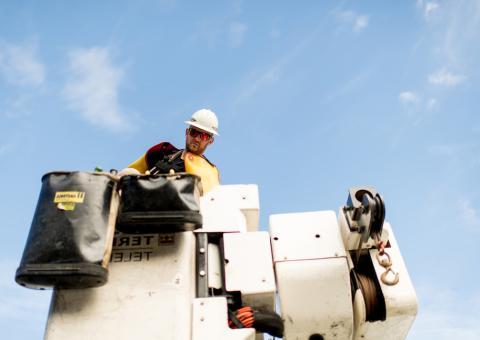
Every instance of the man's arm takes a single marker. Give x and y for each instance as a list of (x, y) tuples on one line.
[(140, 165)]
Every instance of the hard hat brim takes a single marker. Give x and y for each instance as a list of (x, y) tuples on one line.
[(201, 127)]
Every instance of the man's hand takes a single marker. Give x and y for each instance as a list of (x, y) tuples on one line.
[(128, 171)]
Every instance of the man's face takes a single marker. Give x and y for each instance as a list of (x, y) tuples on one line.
[(197, 140)]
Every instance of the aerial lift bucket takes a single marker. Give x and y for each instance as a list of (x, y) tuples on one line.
[(71, 235), (159, 204)]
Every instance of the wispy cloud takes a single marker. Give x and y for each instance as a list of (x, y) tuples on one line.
[(5, 148), (21, 65), (417, 108), (93, 88), (237, 7), (458, 27), (442, 315), (361, 22), (236, 34), (444, 77), (431, 103), (346, 87), (17, 303), (428, 8), (358, 22), (18, 105), (408, 97), (275, 33), (259, 81), (469, 214), (447, 150)]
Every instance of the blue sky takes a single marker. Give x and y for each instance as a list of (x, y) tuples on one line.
[(312, 97)]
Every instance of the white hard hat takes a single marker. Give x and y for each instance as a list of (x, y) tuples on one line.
[(204, 119)]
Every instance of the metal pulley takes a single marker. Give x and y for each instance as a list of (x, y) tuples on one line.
[(365, 212)]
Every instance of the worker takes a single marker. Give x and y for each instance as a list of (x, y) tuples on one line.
[(164, 157)]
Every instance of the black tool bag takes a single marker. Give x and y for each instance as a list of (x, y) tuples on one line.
[(70, 239), (159, 204)]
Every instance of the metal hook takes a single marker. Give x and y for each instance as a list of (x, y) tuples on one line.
[(390, 282), (385, 261)]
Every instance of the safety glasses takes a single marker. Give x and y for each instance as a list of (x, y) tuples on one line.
[(203, 135)]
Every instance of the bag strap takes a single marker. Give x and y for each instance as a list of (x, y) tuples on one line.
[(174, 156)]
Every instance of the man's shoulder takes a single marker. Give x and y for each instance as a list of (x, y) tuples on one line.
[(158, 152), (208, 161), (164, 147)]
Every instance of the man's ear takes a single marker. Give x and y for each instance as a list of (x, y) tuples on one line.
[(212, 139), (186, 131)]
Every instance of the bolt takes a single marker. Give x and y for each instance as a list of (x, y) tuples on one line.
[(202, 250), (202, 272)]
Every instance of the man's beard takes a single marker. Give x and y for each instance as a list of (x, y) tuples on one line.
[(196, 151)]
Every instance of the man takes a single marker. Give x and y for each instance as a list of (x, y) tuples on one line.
[(164, 157)]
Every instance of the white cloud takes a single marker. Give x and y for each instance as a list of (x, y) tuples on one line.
[(18, 106), (442, 314), (360, 23), (408, 97), (268, 77), (443, 150), (431, 103), (357, 21), (93, 88), (5, 148), (444, 77), (456, 33), (237, 7), (469, 215), (274, 33), (20, 65), (236, 34), (428, 8), (17, 303), (258, 80), (416, 106)]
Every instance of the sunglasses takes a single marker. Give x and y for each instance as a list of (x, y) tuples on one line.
[(203, 135)]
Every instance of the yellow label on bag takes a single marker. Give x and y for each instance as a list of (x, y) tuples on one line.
[(69, 197)]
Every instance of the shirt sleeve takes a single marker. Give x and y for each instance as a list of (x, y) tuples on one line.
[(140, 164)]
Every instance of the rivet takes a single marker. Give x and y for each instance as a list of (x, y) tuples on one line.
[(202, 272), (202, 250)]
